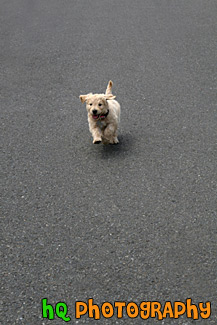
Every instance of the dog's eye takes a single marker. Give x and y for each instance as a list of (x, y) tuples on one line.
[(100, 104), (90, 104)]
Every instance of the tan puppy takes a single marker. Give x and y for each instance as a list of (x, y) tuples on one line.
[(103, 115)]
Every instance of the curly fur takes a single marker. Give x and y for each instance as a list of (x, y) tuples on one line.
[(103, 115)]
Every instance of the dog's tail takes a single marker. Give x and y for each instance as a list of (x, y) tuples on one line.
[(109, 88)]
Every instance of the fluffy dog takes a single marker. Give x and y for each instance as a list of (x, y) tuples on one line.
[(103, 115)]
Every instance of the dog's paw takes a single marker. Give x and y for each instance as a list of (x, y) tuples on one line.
[(114, 141), (97, 141)]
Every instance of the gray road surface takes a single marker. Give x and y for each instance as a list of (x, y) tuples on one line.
[(132, 222)]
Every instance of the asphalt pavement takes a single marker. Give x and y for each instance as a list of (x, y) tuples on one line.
[(134, 222)]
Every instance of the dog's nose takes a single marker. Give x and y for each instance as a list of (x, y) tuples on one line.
[(94, 111)]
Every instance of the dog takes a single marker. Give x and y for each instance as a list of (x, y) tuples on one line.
[(103, 113)]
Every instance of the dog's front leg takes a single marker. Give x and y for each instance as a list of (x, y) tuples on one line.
[(96, 133), (110, 134)]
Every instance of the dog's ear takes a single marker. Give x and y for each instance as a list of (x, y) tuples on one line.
[(110, 96), (83, 98)]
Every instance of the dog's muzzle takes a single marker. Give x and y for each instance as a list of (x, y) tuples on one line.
[(100, 116)]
